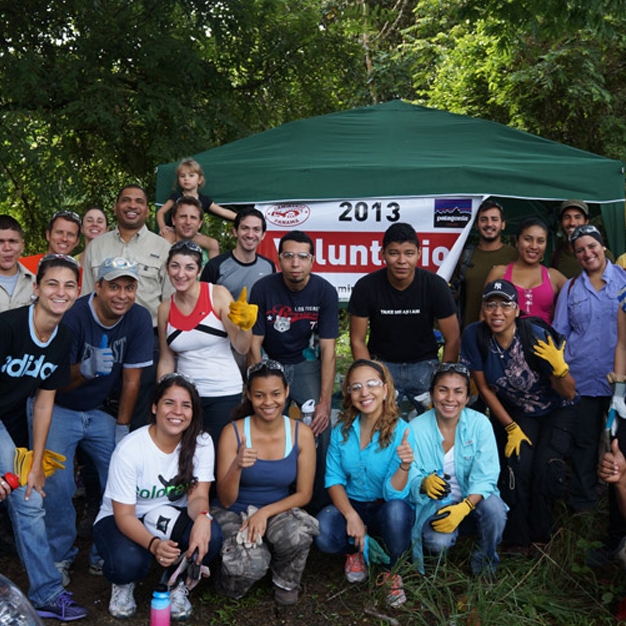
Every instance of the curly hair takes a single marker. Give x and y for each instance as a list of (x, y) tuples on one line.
[(386, 423), (185, 478)]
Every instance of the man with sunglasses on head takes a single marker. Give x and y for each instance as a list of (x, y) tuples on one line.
[(62, 235), (572, 214), (111, 344), (298, 325), (478, 259)]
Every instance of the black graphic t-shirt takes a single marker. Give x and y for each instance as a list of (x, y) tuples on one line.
[(291, 320), (27, 364)]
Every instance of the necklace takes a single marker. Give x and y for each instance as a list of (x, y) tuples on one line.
[(43, 337), (499, 351)]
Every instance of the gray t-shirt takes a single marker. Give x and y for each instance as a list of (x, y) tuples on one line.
[(226, 270)]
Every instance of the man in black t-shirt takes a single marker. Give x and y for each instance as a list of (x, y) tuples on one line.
[(400, 304)]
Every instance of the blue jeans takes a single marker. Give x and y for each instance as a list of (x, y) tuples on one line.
[(29, 528), (95, 431), (127, 562), (412, 379), (489, 519), (390, 521), (305, 379)]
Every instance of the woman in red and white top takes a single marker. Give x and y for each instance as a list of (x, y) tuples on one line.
[(196, 329)]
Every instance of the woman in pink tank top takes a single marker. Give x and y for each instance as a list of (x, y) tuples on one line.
[(537, 286)]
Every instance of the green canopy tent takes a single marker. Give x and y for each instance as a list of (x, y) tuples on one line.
[(397, 149)]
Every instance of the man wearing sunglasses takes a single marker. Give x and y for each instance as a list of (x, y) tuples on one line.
[(572, 214), (62, 235), (298, 325), (112, 343)]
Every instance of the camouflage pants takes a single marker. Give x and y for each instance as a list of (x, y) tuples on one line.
[(285, 549)]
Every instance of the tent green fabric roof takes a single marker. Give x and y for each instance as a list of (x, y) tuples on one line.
[(401, 149)]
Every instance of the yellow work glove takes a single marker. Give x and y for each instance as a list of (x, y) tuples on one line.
[(515, 438), (241, 313), (435, 486), (448, 518), (23, 463), (51, 462), (553, 355)]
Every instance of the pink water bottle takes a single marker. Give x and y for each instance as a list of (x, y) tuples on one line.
[(160, 607)]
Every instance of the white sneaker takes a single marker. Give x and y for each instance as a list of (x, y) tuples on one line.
[(122, 603), (180, 606), (64, 570)]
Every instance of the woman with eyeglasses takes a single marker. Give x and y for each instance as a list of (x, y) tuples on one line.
[(93, 224), (156, 501), (196, 329), (536, 285), (368, 469), (586, 314), (523, 378), (457, 470), (265, 470), (35, 356)]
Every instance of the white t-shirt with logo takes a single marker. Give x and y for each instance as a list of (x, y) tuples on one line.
[(140, 473)]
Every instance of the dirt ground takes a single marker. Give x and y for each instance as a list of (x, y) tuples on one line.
[(325, 599)]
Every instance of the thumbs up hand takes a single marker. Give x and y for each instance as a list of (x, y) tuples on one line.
[(241, 313), (246, 457), (612, 466), (405, 452)]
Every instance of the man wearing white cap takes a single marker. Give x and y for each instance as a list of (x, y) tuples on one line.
[(112, 341)]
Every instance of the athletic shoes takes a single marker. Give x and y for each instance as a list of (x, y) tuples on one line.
[(63, 608), (395, 594), (180, 605), (122, 603), (355, 569)]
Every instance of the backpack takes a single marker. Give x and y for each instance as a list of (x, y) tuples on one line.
[(458, 284), (527, 337)]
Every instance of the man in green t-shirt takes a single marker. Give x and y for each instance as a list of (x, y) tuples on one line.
[(477, 260), (572, 214)]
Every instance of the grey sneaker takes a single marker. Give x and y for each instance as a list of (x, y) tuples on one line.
[(180, 606), (64, 570), (285, 597), (122, 603)]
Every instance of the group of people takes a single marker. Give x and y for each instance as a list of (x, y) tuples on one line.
[(172, 377)]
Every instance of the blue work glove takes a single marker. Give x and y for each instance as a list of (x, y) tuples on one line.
[(98, 363)]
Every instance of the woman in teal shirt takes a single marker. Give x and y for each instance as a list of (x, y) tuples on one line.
[(457, 471)]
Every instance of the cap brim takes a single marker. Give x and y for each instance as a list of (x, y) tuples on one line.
[(117, 273)]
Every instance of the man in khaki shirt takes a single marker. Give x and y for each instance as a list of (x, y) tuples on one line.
[(16, 282), (132, 240)]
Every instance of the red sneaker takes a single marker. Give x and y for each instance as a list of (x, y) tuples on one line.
[(355, 569), (395, 596)]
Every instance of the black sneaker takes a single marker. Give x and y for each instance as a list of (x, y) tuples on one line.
[(63, 608)]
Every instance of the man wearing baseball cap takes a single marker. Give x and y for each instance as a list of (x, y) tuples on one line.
[(572, 214), (112, 343)]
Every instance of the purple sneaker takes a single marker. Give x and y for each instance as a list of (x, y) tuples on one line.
[(63, 608)]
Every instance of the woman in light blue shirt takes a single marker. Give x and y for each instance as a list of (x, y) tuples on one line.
[(368, 467), (457, 471)]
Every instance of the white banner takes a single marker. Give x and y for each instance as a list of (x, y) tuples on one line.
[(348, 233)]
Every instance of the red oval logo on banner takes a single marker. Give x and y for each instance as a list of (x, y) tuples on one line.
[(288, 214)]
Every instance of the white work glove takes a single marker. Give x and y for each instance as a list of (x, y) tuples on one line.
[(242, 535), (99, 363), (618, 403), (121, 430)]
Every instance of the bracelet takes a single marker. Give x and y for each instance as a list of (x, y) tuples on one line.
[(207, 515), (150, 544), (404, 470)]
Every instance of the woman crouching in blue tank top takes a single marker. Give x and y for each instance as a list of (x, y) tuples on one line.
[(368, 470), (266, 465)]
